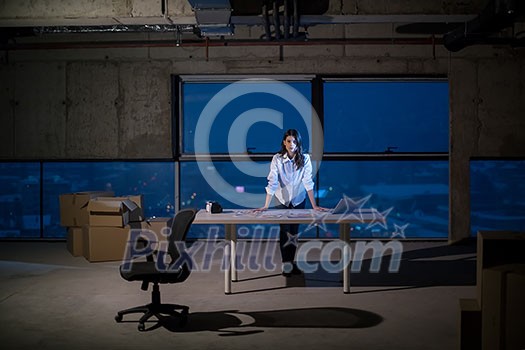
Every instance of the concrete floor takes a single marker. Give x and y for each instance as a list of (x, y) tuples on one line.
[(52, 300)]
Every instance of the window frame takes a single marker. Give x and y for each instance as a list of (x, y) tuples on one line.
[(317, 100)]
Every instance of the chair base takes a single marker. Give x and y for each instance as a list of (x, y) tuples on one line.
[(155, 308)]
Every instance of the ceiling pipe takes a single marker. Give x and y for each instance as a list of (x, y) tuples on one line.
[(295, 19), (286, 20), (225, 43), (178, 37), (513, 42), (266, 19), (497, 15), (276, 20), (147, 28)]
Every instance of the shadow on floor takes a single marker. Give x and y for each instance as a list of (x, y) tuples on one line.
[(222, 321), (436, 266)]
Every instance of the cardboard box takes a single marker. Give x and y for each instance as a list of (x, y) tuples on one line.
[(105, 243), (491, 322), (515, 310), (469, 324), (75, 241), (161, 227), (137, 215), (503, 296), (73, 207), (496, 248), (137, 199), (113, 211)]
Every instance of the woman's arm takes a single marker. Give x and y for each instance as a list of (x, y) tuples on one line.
[(272, 184), (309, 184), (273, 177), (312, 201), (312, 198), (266, 203)]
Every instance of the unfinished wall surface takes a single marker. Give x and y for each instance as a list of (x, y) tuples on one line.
[(92, 120), (487, 119), (39, 110), (145, 110), (501, 112), (7, 132), (109, 102)]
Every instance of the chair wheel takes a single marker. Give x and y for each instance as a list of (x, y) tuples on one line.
[(141, 327), (118, 318)]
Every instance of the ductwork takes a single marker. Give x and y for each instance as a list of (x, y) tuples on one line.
[(213, 17), (497, 15)]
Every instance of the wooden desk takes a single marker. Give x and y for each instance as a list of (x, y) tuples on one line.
[(232, 217)]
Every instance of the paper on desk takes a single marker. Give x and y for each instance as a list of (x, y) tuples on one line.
[(299, 214), (257, 214), (248, 212), (271, 215)]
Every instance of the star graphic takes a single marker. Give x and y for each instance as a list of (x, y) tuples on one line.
[(318, 220), (399, 231), (353, 208), (292, 240), (379, 218)]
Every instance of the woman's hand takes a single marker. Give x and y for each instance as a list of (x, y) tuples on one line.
[(260, 209), (318, 208)]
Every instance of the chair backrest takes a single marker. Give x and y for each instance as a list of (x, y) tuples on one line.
[(180, 226)]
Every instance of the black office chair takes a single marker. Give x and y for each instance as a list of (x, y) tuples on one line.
[(147, 272)]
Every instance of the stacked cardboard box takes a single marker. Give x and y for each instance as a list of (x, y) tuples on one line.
[(503, 307), (161, 227), (494, 319), (110, 221), (103, 230), (74, 214), (73, 207)]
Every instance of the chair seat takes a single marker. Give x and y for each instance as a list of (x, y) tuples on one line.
[(147, 271)]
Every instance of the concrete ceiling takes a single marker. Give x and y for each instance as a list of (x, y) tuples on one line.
[(20, 13), (213, 18)]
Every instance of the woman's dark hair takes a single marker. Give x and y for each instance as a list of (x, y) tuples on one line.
[(299, 156)]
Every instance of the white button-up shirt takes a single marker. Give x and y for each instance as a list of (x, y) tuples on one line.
[(288, 184)]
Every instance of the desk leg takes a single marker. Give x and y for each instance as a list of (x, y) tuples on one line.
[(227, 268), (344, 234), (233, 240), (230, 254)]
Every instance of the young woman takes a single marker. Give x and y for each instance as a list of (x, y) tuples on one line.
[(290, 180)]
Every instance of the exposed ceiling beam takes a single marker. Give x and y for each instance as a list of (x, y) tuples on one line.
[(305, 20)]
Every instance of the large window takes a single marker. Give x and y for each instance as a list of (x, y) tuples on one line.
[(246, 116), (410, 195), (497, 193), (23, 191), (400, 125), (154, 180), (379, 116), (20, 200), (386, 144)]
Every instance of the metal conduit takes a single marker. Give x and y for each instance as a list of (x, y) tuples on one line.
[(225, 43)]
